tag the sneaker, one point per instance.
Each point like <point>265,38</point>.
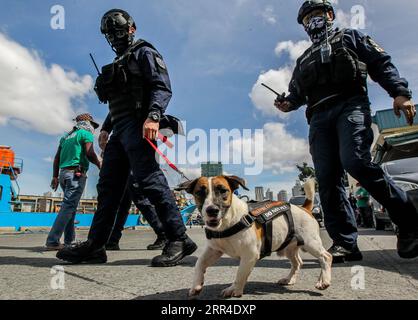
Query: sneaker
<point>159,244</point>
<point>56,247</point>
<point>408,245</point>
<point>341,254</point>
<point>112,246</point>
<point>174,252</point>
<point>83,253</point>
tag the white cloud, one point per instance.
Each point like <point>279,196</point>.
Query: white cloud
<point>277,79</point>
<point>294,49</point>
<point>34,95</point>
<point>48,159</point>
<point>269,16</point>
<point>262,98</point>
<point>281,151</point>
<point>342,19</point>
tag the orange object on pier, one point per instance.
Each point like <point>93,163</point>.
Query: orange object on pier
<point>7,157</point>
<point>8,163</point>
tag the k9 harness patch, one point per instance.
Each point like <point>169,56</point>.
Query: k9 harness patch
<point>266,211</point>
<point>262,213</point>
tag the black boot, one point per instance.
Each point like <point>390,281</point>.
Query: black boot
<point>159,244</point>
<point>341,254</point>
<point>112,246</point>
<point>174,252</point>
<point>408,244</point>
<point>83,253</point>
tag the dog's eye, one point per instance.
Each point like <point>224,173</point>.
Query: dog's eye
<point>201,193</point>
<point>222,190</point>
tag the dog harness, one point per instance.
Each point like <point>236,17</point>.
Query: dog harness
<point>263,214</point>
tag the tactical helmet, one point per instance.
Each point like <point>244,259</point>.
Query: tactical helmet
<point>311,5</point>
<point>116,19</point>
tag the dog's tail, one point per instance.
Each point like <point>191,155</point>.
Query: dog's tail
<point>309,188</point>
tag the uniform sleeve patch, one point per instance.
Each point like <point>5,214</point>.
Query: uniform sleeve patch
<point>160,62</point>
<point>375,45</point>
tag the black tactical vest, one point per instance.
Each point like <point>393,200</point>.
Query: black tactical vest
<point>346,75</point>
<point>124,85</point>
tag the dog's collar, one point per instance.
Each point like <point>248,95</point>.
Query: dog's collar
<point>246,222</point>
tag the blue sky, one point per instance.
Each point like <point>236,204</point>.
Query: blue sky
<point>215,52</point>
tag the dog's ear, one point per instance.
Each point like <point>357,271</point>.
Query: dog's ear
<point>235,182</point>
<point>188,186</point>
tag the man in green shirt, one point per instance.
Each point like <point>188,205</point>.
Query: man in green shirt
<point>363,204</point>
<point>71,164</point>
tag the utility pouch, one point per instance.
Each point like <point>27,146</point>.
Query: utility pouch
<point>345,68</point>
<point>362,71</point>
<point>121,75</point>
<point>308,76</point>
<point>100,89</point>
<point>108,74</point>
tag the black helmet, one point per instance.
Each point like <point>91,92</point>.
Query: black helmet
<point>116,19</point>
<point>309,6</point>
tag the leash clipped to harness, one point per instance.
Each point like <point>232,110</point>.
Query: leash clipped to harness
<point>262,213</point>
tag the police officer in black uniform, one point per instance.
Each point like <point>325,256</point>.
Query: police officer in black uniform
<point>331,79</point>
<point>148,212</point>
<point>137,88</point>
<point>132,193</point>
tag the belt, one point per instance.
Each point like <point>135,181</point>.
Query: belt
<point>71,168</point>
<point>330,102</point>
<point>74,168</point>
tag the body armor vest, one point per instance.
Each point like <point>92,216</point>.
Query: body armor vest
<point>124,85</point>
<point>344,75</point>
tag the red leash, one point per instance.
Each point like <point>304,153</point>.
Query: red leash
<point>172,165</point>
<point>165,140</point>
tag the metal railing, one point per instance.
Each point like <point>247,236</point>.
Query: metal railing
<point>13,171</point>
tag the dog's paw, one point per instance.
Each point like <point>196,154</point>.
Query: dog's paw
<point>322,285</point>
<point>287,282</point>
<point>232,292</point>
<point>194,292</point>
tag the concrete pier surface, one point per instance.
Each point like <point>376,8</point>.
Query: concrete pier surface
<point>27,272</point>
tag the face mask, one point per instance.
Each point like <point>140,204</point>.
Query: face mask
<point>317,28</point>
<point>120,40</point>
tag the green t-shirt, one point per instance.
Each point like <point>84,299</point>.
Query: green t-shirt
<point>72,149</point>
<point>363,198</point>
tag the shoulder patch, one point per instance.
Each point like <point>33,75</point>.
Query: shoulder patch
<point>160,62</point>
<point>374,44</point>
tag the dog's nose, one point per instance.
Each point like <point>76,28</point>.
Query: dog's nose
<point>212,211</point>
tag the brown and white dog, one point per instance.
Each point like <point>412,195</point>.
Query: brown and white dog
<point>221,209</point>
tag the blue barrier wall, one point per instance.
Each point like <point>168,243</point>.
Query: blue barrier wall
<point>5,193</point>
<point>18,220</point>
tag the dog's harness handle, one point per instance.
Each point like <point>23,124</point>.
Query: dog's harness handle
<point>266,213</point>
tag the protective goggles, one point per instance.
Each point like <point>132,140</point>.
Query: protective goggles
<point>118,34</point>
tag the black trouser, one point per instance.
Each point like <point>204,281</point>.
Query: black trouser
<point>366,216</point>
<point>340,139</point>
<point>143,205</point>
<point>126,151</point>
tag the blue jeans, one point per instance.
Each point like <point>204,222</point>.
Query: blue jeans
<point>340,139</point>
<point>73,188</point>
